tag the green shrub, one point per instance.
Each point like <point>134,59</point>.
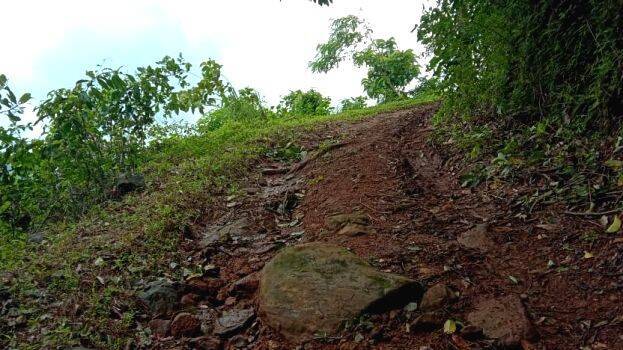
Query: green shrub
<point>301,103</point>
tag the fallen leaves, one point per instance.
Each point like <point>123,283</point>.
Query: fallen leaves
<point>615,226</point>
<point>449,327</point>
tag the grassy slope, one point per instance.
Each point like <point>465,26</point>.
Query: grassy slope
<point>137,238</point>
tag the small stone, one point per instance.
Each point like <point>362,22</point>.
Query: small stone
<point>233,321</point>
<point>161,297</point>
<point>471,332</point>
<point>206,343</point>
<point>35,237</point>
<point>411,307</point>
<point>354,230</point>
<point>503,319</point>
<point>218,235</point>
<point>477,238</point>
<point>359,338</point>
<point>428,322</point>
<point>245,285</point>
<point>273,345</point>
<point>127,183</point>
<point>336,222</point>
<point>211,270</point>
<point>436,297</point>
<point>185,324</point>
<point>190,299</point>
<point>159,327</point>
<point>238,342</point>
<point>199,285</point>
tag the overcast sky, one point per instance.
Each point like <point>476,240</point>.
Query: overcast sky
<point>265,44</point>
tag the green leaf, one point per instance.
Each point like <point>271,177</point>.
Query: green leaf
<point>25,98</point>
<point>5,206</point>
<point>615,226</point>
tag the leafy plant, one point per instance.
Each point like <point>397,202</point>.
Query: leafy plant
<point>301,103</point>
<point>353,103</point>
<point>243,105</point>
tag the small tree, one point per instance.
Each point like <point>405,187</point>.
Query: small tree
<point>390,70</point>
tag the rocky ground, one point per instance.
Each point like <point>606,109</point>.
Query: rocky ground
<point>370,242</point>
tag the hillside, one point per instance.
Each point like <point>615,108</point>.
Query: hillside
<point>193,246</point>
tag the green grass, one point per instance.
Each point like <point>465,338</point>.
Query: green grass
<point>138,237</point>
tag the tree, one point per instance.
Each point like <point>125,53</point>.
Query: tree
<point>390,70</point>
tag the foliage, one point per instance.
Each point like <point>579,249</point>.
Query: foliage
<point>95,132</point>
<point>542,76</point>
<point>16,158</point>
<point>353,103</point>
<point>242,105</point>
<point>390,70</point>
<point>301,103</point>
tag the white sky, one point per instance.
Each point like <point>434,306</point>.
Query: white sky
<point>265,44</point>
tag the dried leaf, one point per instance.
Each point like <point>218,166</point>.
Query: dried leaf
<point>615,226</point>
<point>588,255</point>
<point>449,327</point>
<point>513,279</point>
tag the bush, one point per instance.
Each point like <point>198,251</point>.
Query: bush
<point>301,103</point>
<point>353,103</point>
<point>243,105</point>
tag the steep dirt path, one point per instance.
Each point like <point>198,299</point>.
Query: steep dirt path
<point>562,274</point>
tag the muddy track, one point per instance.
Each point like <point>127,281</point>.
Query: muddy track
<point>386,168</point>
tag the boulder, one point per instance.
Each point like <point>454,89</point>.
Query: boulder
<point>313,288</point>
<point>502,319</point>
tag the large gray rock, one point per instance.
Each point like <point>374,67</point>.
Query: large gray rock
<point>313,288</point>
